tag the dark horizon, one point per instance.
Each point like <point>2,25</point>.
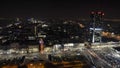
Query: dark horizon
<point>59,9</point>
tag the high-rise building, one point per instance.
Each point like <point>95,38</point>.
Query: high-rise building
<point>96,26</point>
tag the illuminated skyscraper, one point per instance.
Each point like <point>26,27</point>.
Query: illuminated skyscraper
<point>96,26</point>
<point>41,43</point>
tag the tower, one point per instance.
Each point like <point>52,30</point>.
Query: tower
<point>96,26</point>
<point>41,45</point>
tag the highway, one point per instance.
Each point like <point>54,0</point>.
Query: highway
<point>104,56</point>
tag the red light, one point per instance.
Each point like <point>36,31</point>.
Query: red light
<point>99,12</point>
<point>103,14</point>
<point>92,12</point>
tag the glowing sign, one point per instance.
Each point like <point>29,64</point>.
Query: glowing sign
<point>95,29</point>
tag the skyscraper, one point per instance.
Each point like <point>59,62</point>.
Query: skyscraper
<point>96,26</point>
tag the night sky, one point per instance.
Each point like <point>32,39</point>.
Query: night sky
<point>59,8</point>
